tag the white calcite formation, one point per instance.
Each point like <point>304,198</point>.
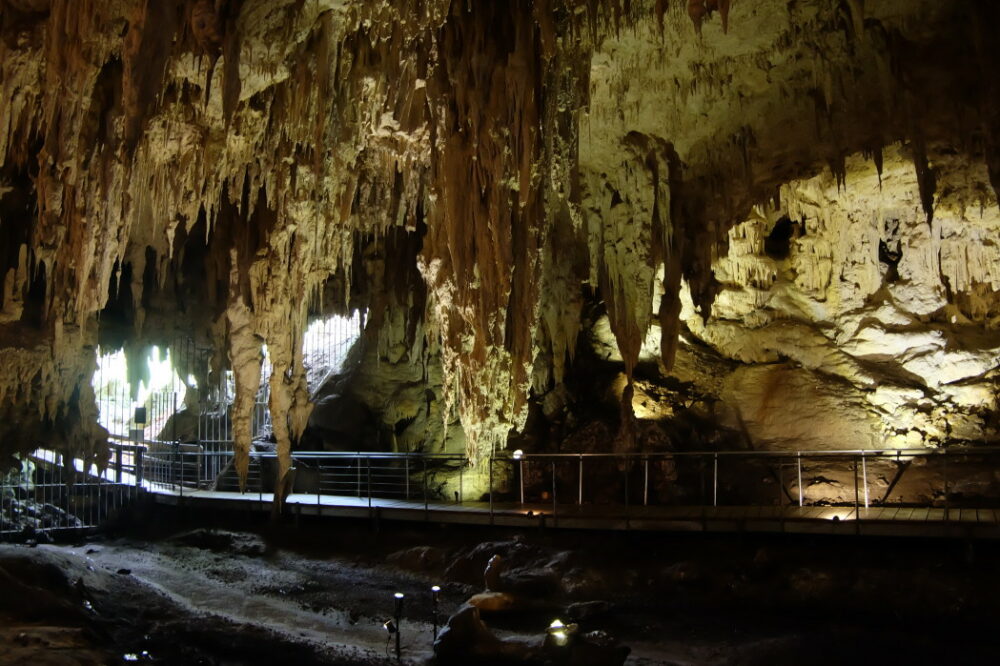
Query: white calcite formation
<point>471,173</point>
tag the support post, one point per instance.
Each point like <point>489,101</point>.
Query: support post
<point>138,467</point>
<point>715,479</point>
<point>798,463</point>
<point>864,476</point>
<point>426,506</point>
<point>521,476</point>
<point>579,497</point>
<point>406,472</point>
<point>856,490</point>
<point>368,467</point>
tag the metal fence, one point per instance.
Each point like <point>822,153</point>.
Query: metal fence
<point>946,478</point>
<point>366,475</point>
<point>956,477</point>
<point>48,493</point>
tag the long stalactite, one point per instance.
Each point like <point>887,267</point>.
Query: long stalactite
<point>227,161</point>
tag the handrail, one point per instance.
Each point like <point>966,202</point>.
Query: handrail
<point>785,453</point>
<point>958,450</point>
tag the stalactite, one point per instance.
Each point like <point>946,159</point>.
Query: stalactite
<point>515,153</point>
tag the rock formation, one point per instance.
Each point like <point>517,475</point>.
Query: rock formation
<point>804,187</point>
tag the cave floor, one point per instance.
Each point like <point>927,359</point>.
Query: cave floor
<point>191,594</point>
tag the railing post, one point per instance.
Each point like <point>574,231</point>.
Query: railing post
<point>579,498</point>
<point>521,477</point>
<point>798,462</point>
<point>491,490</point>
<point>406,472</point>
<point>461,485</point>
<point>138,463</point>
<point>426,506</point>
<point>368,466</point>
<point>173,468</point>
<point>864,476</point>
<point>856,492</point>
<point>358,460</point>
<point>715,479</point>
<point>118,463</point>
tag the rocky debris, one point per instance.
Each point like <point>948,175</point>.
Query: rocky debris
<point>469,565</point>
<point>531,582</point>
<point>237,543</point>
<point>425,559</point>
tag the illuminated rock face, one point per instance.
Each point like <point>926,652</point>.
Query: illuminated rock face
<point>468,171</point>
<point>864,326</point>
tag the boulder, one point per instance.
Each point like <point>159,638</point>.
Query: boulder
<point>493,602</point>
<point>466,640</point>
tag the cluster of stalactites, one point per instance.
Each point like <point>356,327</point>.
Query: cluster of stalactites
<point>285,132</point>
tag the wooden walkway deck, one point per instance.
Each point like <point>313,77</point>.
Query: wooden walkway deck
<point>876,521</point>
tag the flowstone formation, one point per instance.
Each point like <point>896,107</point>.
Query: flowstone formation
<point>476,176</point>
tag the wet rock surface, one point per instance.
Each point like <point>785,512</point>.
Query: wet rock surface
<point>321,595</point>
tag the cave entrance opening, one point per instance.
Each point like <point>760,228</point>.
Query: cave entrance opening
<point>169,393</point>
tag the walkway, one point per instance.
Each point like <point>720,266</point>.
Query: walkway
<point>876,521</point>
<point>399,487</point>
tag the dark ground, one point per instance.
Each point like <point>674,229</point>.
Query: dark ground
<point>185,590</point>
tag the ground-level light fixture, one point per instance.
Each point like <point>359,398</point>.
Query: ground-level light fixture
<point>559,632</point>
<point>435,592</point>
<point>518,454</point>
<point>399,622</point>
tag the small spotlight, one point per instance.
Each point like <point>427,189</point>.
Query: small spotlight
<point>436,589</point>
<point>399,595</point>
<point>390,626</point>
<point>518,454</point>
<point>560,632</point>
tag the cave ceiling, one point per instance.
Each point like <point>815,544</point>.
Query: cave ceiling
<point>222,170</point>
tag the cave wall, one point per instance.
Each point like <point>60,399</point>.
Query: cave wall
<point>472,173</point>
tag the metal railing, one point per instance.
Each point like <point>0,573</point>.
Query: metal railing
<point>50,493</point>
<point>948,478</point>
<point>956,477</point>
<point>364,475</point>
